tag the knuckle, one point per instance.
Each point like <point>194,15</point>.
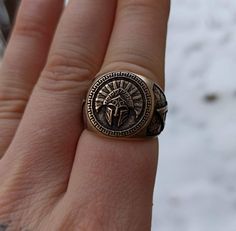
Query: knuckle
<point>137,62</point>
<point>29,26</point>
<point>132,8</point>
<point>67,72</point>
<point>12,102</point>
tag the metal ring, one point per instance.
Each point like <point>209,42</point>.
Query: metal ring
<point>125,104</point>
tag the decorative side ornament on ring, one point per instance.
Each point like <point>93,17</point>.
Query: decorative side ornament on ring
<point>124,104</point>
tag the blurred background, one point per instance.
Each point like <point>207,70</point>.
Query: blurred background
<point>196,183</point>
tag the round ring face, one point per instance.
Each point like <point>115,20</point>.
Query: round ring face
<point>119,104</point>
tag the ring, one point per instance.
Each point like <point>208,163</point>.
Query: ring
<point>125,104</point>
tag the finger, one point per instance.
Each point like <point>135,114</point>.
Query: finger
<point>114,178</point>
<point>23,61</point>
<point>138,40</point>
<point>48,134</point>
<point>112,183</point>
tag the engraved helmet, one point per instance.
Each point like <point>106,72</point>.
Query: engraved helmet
<point>119,98</point>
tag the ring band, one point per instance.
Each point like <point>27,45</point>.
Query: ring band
<point>125,104</point>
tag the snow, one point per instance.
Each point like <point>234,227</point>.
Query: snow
<point>196,182</point>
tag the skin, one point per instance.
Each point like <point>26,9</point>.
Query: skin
<point>54,174</point>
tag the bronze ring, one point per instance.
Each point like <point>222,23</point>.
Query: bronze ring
<point>125,104</point>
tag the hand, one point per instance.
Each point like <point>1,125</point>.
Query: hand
<point>54,175</point>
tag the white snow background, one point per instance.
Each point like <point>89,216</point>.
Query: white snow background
<point>196,181</point>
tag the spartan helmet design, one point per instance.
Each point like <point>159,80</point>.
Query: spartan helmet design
<point>119,98</point>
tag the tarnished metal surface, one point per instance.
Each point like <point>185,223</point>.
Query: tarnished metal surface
<point>124,104</point>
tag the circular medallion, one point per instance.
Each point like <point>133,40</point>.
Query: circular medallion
<point>119,104</point>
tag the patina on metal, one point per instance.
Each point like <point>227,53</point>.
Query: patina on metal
<point>125,104</point>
